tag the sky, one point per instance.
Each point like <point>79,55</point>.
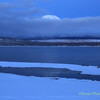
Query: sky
<point>49,18</point>
<point>71,8</point>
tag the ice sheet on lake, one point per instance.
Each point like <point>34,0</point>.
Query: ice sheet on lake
<point>92,70</point>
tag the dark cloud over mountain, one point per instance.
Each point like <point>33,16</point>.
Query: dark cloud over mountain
<point>19,20</point>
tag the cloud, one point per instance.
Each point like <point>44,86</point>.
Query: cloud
<point>19,8</point>
<point>89,26</point>
<point>17,20</point>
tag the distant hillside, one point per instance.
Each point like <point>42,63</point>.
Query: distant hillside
<point>45,38</point>
<point>6,41</point>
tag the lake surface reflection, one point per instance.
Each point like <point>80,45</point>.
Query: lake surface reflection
<point>67,55</point>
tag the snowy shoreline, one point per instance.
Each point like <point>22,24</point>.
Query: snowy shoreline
<point>50,46</point>
<point>16,87</point>
<point>92,70</point>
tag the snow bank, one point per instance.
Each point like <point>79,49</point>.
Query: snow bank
<point>92,70</point>
<point>13,87</point>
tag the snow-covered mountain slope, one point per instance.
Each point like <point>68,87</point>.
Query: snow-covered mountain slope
<point>68,40</point>
<point>50,42</point>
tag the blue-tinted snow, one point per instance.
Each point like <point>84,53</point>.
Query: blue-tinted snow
<point>92,70</point>
<point>13,87</point>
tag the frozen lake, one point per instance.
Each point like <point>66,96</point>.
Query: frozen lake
<point>67,55</point>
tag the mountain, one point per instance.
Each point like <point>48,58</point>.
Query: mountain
<point>58,41</point>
